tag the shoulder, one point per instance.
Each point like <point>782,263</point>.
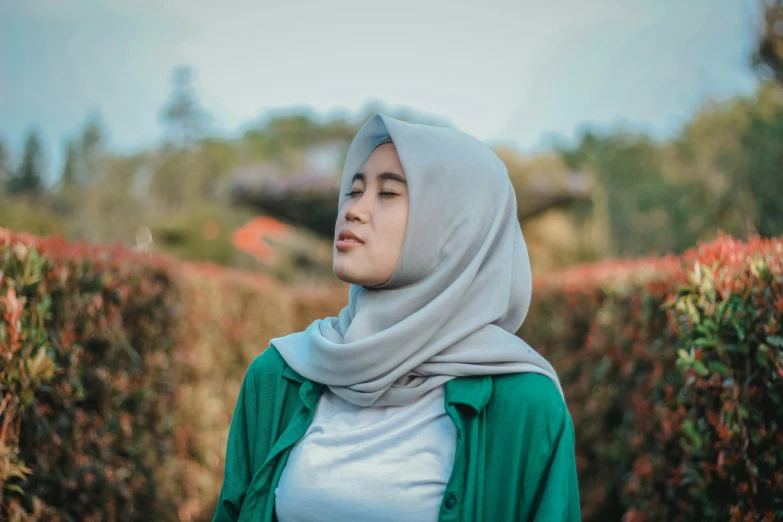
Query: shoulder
<point>531,399</point>
<point>268,366</point>
<point>527,390</point>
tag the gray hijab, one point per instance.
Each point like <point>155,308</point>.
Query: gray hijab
<point>460,290</point>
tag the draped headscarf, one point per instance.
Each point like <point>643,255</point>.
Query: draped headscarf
<point>458,294</point>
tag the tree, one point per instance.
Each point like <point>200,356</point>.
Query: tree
<point>92,151</point>
<point>70,173</point>
<point>85,157</point>
<point>761,161</point>
<point>5,164</point>
<point>29,177</point>
<point>768,55</point>
<point>182,114</point>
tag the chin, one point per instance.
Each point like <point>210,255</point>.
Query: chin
<point>344,273</point>
<point>350,278</point>
<point>355,277</point>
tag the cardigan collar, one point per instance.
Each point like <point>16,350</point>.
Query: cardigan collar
<point>474,391</point>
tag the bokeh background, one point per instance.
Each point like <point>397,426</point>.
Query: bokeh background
<point>628,128</point>
<point>169,175</point>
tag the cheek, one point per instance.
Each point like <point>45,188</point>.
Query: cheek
<point>402,223</point>
<point>340,219</point>
<point>398,226</point>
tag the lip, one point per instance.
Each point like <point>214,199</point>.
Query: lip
<point>346,234</point>
<point>343,244</point>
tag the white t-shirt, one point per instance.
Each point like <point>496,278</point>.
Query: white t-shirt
<point>379,464</point>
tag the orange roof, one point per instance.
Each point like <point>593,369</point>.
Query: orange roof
<point>251,237</point>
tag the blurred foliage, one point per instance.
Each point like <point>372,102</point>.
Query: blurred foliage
<point>673,372</point>
<point>201,233</point>
<point>179,192</point>
<point>119,374</point>
<point>183,116</point>
<point>23,214</point>
<point>5,166</point>
<point>85,387</point>
<point>722,173</point>
<point>768,57</point>
<point>122,370</point>
<point>715,451</point>
<point>642,197</point>
<point>28,177</point>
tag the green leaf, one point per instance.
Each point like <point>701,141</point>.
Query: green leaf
<point>710,325</point>
<point>690,431</point>
<point>758,267</point>
<point>683,355</point>
<point>16,488</point>
<point>701,369</point>
<point>775,340</point>
<point>685,289</point>
<point>27,396</point>
<point>721,309</point>
<point>693,312</point>
<point>694,276</point>
<point>740,332</point>
<point>718,367</point>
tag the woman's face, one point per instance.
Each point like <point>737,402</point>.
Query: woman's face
<point>376,213</point>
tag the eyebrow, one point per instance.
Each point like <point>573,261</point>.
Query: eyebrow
<point>382,176</point>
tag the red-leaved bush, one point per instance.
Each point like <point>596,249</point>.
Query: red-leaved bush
<point>120,370</point>
<point>672,369</point>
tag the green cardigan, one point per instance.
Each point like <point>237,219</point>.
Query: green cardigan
<point>514,457</point>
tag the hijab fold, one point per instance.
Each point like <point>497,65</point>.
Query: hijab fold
<point>459,293</point>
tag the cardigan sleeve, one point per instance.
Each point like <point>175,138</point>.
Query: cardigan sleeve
<point>553,495</point>
<point>239,452</point>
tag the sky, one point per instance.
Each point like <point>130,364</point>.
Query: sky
<point>520,73</point>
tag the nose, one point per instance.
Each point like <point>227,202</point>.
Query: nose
<point>357,211</point>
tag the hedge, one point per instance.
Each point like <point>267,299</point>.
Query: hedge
<point>121,370</point>
<point>673,372</point>
<point>85,382</point>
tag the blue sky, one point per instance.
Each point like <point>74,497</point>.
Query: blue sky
<point>507,72</point>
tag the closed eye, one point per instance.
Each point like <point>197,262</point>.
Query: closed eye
<point>385,194</point>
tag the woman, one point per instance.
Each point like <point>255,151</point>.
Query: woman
<point>417,402</point>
